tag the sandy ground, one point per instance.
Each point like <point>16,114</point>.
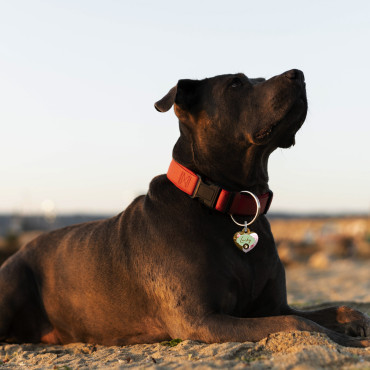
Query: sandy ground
<point>345,281</point>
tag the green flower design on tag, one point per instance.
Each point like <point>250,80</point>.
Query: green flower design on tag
<point>245,241</point>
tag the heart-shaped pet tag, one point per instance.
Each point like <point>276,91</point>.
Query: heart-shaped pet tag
<point>245,241</point>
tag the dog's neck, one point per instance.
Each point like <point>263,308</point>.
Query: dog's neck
<point>243,172</point>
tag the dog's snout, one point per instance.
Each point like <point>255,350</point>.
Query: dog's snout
<point>295,74</point>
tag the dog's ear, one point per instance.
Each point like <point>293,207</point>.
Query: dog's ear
<point>183,94</point>
<point>187,94</point>
<point>167,101</point>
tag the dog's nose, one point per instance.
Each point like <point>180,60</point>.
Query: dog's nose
<point>295,74</point>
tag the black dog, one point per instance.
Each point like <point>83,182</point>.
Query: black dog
<point>168,267</point>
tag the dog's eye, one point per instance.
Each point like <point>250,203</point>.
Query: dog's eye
<point>236,82</point>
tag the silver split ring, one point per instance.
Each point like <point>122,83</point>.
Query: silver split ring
<point>255,216</point>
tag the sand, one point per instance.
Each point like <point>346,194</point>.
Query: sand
<point>346,281</point>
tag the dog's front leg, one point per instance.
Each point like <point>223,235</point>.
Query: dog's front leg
<point>340,319</point>
<point>217,328</point>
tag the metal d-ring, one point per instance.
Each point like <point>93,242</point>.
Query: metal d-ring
<point>255,216</point>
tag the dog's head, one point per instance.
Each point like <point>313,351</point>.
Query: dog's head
<point>226,116</point>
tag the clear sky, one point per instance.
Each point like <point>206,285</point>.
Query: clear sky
<point>78,80</point>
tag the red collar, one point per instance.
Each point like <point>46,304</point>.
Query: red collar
<point>214,196</point>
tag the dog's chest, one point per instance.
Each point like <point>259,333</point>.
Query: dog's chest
<point>246,284</point>
<point>241,278</point>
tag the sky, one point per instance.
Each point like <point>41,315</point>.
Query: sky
<point>78,80</point>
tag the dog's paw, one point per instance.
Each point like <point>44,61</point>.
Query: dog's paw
<point>353,322</point>
<point>357,342</point>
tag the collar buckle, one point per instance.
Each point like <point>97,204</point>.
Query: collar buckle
<point>207,193</point>
<point>194,195</point>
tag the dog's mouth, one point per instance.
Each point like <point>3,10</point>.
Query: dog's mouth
<point>286,128</point>
<point>266,132</point>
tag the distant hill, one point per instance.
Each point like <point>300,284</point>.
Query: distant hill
<point>18,223</point>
